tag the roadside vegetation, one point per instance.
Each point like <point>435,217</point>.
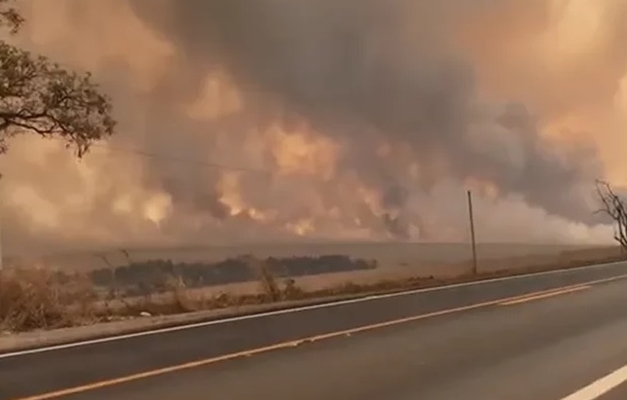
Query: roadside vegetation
<point>37,298</point>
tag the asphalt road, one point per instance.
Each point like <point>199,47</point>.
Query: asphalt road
<point>619,393</point>
<point>477,341</point>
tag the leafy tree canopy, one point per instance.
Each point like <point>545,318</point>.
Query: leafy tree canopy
<point>39,96</point>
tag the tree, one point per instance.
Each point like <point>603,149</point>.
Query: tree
<point>614,206</point>
<point>41,97</point>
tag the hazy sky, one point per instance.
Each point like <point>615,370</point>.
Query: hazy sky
<point>366,118</point>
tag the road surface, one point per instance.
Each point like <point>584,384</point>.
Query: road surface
<point>555,336</point>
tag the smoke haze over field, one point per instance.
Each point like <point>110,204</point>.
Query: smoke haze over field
<point>364,119</point>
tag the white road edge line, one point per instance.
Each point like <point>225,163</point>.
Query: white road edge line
<point>291,310</point>
<point>600,387</point>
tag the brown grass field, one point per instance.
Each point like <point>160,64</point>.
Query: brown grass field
<point>36,298</point>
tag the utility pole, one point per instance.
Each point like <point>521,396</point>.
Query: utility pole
<point>1,197</point>
<point>1,263</point>
<point>472,234</point>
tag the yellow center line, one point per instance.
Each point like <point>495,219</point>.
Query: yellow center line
<point>541,293</point>
<point>293,343</point>
<point>544,295</point>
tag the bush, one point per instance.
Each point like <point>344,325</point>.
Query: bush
<point>40,299</point>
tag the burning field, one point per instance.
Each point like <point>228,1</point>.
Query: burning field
<point>357,120</point>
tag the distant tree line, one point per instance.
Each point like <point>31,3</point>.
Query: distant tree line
<point>152,274</point>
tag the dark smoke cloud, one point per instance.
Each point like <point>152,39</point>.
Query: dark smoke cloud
<point>361,69</point>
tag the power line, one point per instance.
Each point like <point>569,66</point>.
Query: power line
<point>208,164</point>
<point>147,154</point>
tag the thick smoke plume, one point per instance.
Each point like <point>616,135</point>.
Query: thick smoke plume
<point>350,119</point>
<point>391,68</point>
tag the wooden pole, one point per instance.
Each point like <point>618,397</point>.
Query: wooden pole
<point>472,234</point>
<point>1,254</point>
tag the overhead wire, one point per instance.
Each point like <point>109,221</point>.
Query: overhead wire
<point>170,158</point>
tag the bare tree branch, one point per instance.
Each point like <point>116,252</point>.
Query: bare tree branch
<point>614,207</point>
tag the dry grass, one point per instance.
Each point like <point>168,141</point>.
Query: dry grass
<point>37,298</point>
<point>40,299</point>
